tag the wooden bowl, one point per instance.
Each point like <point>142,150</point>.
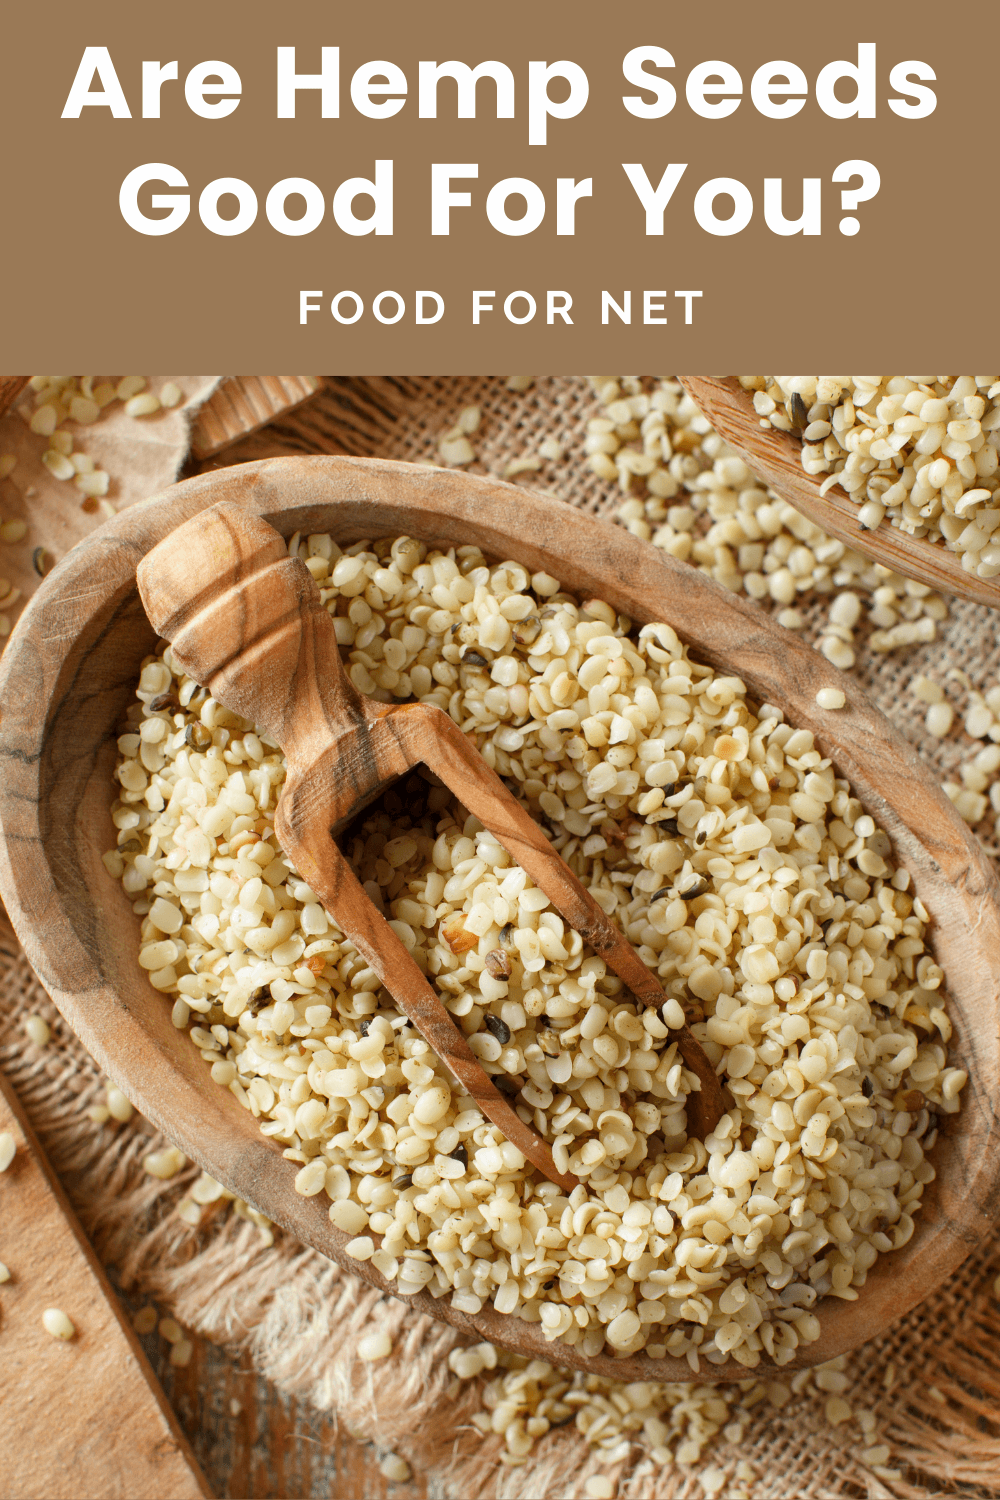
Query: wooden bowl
<point>777,458</point>
<point>69,672</point>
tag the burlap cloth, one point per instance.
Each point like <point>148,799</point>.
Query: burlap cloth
<point>298,1317</point>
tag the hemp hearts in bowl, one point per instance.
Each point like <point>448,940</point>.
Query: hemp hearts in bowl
<point>739,865</point>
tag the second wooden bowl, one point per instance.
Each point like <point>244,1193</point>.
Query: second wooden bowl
<point>70,670</point>
<point>777,458</point>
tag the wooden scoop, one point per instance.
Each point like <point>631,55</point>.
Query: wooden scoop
<point>775,456</point>
<point>246,621</point>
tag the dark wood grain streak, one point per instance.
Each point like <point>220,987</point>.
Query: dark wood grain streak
<point>11,387</point>
<point>776,457</point>
<point>272,1446</point>
<point>69,672</point>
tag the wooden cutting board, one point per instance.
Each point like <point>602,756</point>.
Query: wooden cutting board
<point>85,1417</point>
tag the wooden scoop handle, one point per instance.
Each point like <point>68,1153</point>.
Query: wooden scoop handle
<point>247,622</point>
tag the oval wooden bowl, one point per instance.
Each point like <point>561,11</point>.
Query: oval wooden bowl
<point>69,672</point>
<point>776,457</point>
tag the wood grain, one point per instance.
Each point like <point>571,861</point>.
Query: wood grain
<point>273,1446</point>
<point>776,457</point>
<point>69,673</point>
<point>11,387</point>
<point>244,403</point>
<point>85,1417</point>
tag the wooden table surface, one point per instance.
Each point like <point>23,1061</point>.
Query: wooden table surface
<point>272,1448</point>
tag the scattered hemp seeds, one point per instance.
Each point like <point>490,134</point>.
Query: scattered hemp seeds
<point>37,1029</point>
<point>142,406</point>
<point>673,1422</point>
<point>181,1352</point>
<point>8,1149</point>
<point>831,698</point>
<point>145,1320</point>
<point>374,1346</point>
<point>119,1108</point>
<point>395,1468</point>
<point>454,446</point>
<point>940,717</point>
<point>57,1324</point>
<point>4,1273</point>
<point>836,1410</point>
<point>599,1487</point>
<point>81,399</point>
<point>165,1163</point>
<point>746,874</point>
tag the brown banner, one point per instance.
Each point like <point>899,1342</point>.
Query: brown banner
<point>84,288</point>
